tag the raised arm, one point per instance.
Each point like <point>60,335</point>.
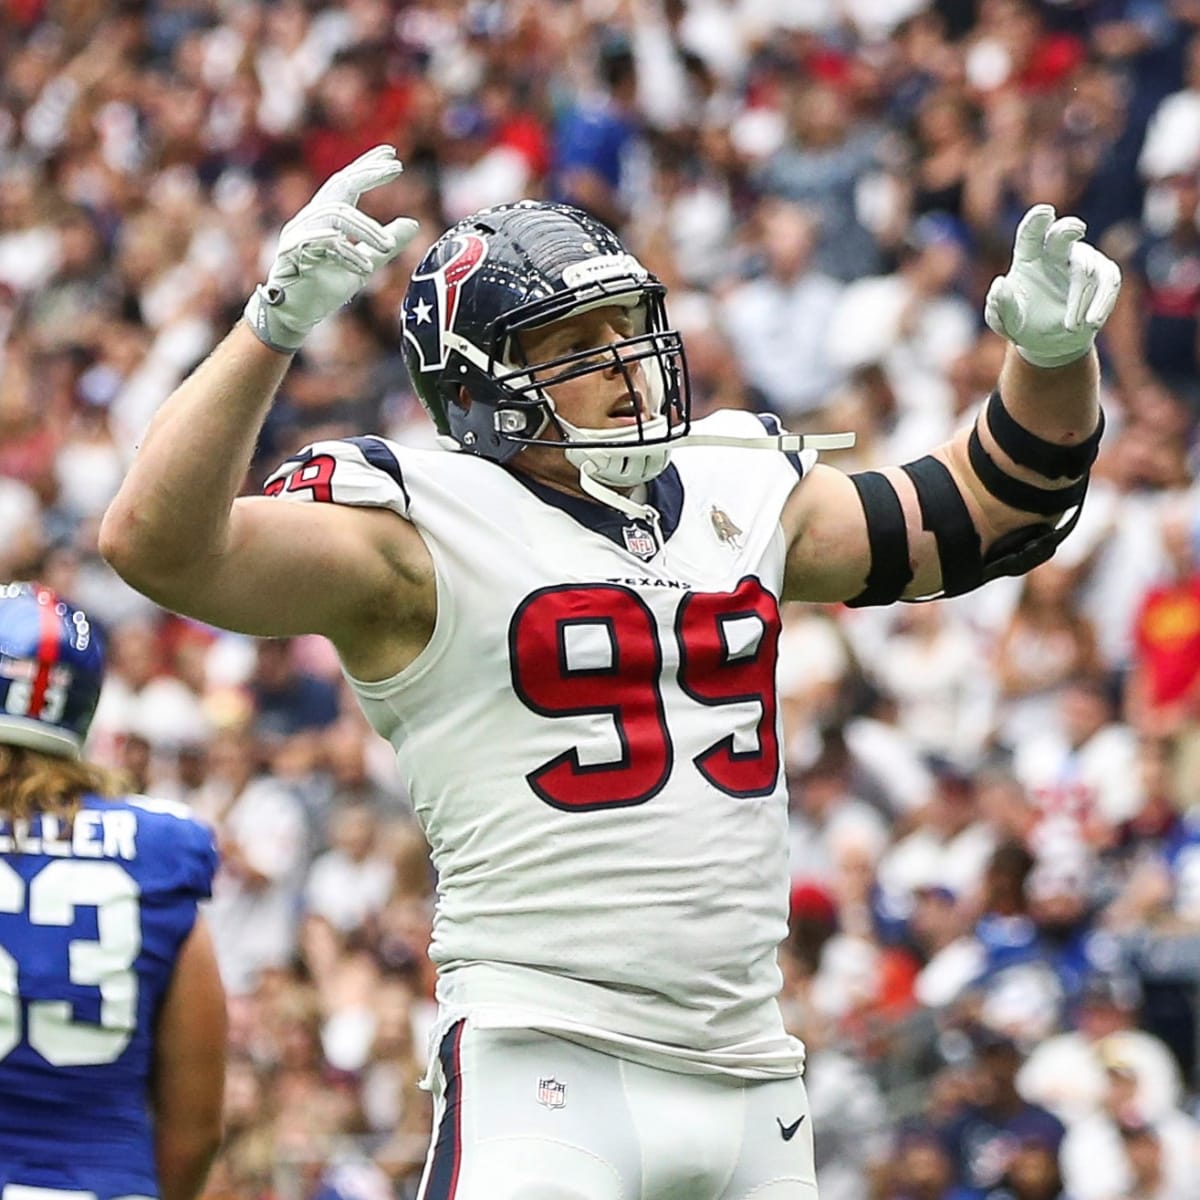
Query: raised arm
<point>176,530</point>
<point>996,499</point>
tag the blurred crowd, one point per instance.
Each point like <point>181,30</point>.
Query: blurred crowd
<point>995,801</point>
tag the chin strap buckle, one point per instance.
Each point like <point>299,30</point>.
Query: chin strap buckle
<point>795,442</point>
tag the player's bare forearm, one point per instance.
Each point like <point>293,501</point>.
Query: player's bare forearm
<point>172,511</point>
<point>1059,404</point>
<point>183,1163</point>
<point>188,1074</point>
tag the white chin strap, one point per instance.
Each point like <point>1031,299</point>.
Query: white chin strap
<point>603,469</point>
<point>621,467</point>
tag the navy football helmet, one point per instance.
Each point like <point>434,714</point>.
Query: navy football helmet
<point>51,668</point>
<point>516,267</point>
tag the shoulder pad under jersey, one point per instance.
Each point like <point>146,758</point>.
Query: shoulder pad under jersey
<point>363,471</point>
<point>176,853</point>
<point>741,423</point>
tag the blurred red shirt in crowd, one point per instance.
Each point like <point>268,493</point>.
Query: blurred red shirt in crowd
<point>1168,641</point>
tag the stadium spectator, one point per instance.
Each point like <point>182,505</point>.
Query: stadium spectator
<point>263,837</point>
<point>820,164</point>
<point>1164,690</point>
<point>1155,333</point>
<point>1044,645</point>
<point>1125,1148</point>
<point>912,324</point>
<point>778,321</point>
<point>288,699</point>
<point>596,139</point>
<point>983,1140</point>
<point>1065,1072</point>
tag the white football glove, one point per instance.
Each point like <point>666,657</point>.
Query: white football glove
<point>1057,293</point>
<point>326,253</point>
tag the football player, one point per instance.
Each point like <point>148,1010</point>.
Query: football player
<point>567,628</point>
<point>112,1015</point>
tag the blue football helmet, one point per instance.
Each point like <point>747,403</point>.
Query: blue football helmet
<point>516,267</point>
<point>51,668</point>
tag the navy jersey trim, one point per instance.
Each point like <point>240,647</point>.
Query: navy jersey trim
<point>447,1151</point>
<point>771,423</point>
<point>664,493</point>
<point>382,459</point>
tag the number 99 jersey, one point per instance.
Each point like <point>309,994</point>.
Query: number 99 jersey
<point>592,744</point>
<point>92,915</point>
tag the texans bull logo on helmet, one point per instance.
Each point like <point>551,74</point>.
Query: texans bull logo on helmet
<point>432,301</point>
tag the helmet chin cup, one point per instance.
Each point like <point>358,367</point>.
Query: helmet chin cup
<point>621,467</point>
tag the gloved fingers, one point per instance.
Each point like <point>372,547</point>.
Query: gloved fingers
<point>1002,308</point>
<point>1031,233</point>
<point>402,231</point>
<point>1081,288</point>
<point>362,228</point>
<point>377,166</point>
<point>1095,284</point>
<point>370,170</point>
<point>1061,236</point>
<point>347,220</point>
<point>1080,293</point>
<point>334,247</point>
<point>1108,288</point>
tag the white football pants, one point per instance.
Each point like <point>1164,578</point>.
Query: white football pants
<point>521,1115</point>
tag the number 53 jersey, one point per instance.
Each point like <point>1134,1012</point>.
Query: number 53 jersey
<point>92,915</point>
<point>592,744</point>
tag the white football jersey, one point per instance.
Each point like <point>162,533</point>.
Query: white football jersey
<point>592,744</point>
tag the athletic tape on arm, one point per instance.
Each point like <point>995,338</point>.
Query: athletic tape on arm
<point>891,570</point>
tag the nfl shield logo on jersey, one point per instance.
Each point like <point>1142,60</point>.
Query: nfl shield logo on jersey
<point>639,541</point>
<point>551,1093</point>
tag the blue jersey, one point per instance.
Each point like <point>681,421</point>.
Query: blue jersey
<point>92,917</point>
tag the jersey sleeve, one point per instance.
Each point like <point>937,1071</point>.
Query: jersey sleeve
<point>178,853</point>
<point>362,471</point>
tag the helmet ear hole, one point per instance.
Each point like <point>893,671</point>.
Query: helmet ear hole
<point>518,422</point>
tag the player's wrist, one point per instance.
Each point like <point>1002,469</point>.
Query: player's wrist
<point>1047,360</point>
<point>268,319</point>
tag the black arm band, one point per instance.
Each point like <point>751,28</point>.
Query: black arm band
<point>1036,454</point>
<point>887,534</point>
<point>1016,493</point>
<point>944,513</point>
